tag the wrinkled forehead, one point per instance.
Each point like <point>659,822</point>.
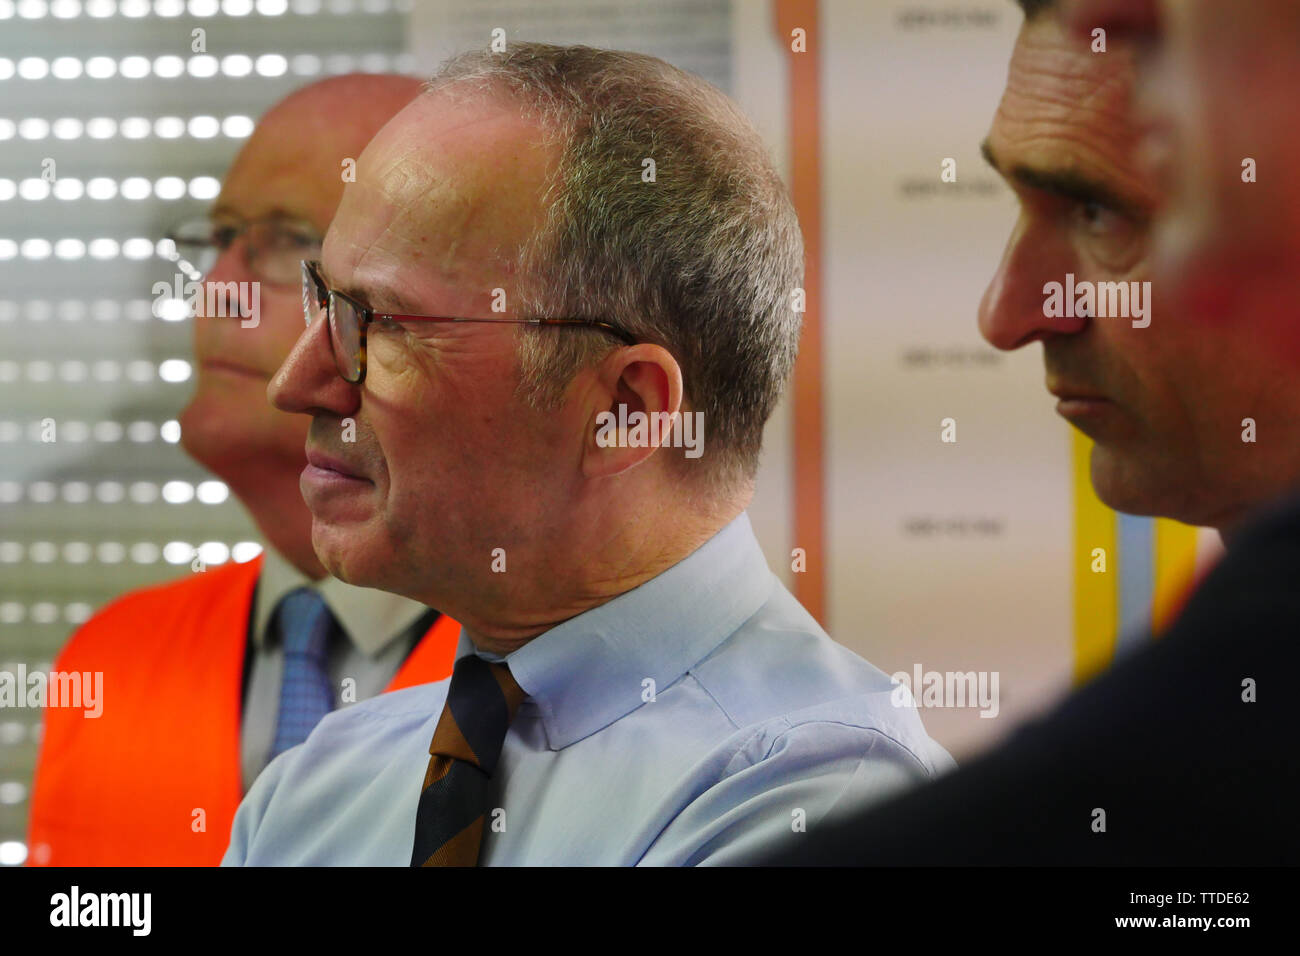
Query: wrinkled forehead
<point>1066,107</point>
<point>446,187</point>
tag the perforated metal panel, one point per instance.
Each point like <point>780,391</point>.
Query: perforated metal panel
<point>112,102</point>
<point>96,497</point>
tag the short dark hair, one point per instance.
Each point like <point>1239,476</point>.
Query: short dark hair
<point>1033,8</point>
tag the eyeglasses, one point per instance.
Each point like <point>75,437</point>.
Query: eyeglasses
<point>348,320</point>
<point>274,248</point>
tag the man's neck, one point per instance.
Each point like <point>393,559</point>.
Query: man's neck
<point>621,565</point>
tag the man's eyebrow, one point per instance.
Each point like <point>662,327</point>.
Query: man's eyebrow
<point>276,212</point>
<point>1065,184</point>
<point>987,152</point>
<point>392,300</point>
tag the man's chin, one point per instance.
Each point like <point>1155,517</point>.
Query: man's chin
<point>1127,483</point>
<point>344,552</point>
<point>206,436</point>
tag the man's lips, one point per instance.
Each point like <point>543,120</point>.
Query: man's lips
<point>328,468</point>
<point>1074,401</point>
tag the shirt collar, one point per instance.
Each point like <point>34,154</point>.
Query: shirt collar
<point>591,670</point>
<point>370,617</point>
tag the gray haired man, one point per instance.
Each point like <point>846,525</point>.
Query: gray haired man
<point>633,685</point>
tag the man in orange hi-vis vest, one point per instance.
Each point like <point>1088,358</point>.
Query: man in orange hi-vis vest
<point>207,678</point>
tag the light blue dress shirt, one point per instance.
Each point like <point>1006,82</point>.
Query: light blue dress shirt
<point>701,718</point>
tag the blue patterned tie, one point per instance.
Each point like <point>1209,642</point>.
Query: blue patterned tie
<point>306,693</point>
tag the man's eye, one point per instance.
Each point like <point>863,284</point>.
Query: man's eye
<point>1098,219</point>
<point>223,236</point>
<point>1111,238</point>
<point>286,239</point>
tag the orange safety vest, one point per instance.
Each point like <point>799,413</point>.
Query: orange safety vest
<point>155,779</point>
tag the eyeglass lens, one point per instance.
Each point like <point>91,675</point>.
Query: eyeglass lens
<point>273,248</point>
<point>345,337</point>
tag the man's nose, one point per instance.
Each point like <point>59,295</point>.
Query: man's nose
<point>1011,311</point>
<point>309,381</point>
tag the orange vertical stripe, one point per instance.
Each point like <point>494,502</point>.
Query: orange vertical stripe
<point>804,129</point>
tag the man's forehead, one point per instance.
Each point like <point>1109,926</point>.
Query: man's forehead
<point>479,149</point>
<point>1067,110</point>
<point>293,160</point>
<point>1053,65</point>
<point>283,168</point>
<point>276,194</point>
<point>442,187</point>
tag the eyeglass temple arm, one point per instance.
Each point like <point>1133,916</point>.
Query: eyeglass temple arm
<point>398,317</point>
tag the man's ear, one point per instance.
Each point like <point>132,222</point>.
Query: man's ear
<point>635,400</point>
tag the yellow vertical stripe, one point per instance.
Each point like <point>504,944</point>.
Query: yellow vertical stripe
<point>1175,568</point>
<point>1096,594</point>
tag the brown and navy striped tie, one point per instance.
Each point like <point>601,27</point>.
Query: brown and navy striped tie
<point>481,702</point>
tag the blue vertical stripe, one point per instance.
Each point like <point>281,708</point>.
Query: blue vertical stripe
<point>1136,580</point>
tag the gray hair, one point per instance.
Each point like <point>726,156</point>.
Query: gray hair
<point>704,261</point>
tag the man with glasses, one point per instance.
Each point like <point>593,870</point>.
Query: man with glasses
<point>633,685</point>
<point>349,318</point>
<point>207,678</point>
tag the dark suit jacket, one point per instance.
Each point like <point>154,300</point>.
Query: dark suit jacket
<point>1187,772</point>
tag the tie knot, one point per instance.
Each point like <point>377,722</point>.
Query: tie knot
<point>481,702</point>
<point>304,621</point>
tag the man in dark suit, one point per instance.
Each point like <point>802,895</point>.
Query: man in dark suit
<point>1184,753</point>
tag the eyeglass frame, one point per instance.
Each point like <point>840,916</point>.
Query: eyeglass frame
<point>239,230</point>
<point>311,274</point>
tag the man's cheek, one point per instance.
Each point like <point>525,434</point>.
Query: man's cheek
<point>397,385</point>
<point>1173,397</point>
